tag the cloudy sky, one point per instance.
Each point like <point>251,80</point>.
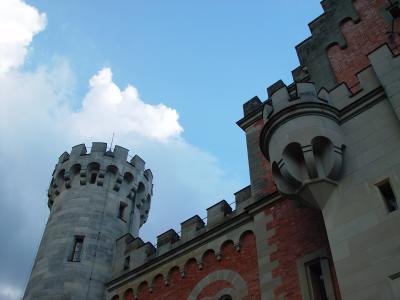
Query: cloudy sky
<point>167,77</point>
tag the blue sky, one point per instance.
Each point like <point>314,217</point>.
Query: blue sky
<point>168,77</point>
<point>202,58</point>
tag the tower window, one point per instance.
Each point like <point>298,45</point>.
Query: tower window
<point>388,196</point>
<point>126,262</point>
<point>121,210</point>
<point>77,249</point>
<point>93,178</point>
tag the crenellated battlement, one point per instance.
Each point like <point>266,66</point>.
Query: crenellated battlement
<point>282,98</point>
<point>325,32</point>
<point>103,168</point>
<point>191,229</point>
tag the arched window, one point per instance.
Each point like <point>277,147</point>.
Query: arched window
<point>225,297</point>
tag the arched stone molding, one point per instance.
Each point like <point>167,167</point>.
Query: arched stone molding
<point>232,277</point>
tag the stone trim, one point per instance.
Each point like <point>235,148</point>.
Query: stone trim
<point>265,266</point>
<point>240,286</point>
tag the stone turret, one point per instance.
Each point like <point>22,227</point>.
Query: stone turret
<point>302,139</point>
<point>94,198</point>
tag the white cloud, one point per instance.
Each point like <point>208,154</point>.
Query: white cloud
<point>19,22</point>
<point>8,292</point>
<point>106,109</point>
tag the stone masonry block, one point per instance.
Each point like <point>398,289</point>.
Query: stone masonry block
<point>218,213</point>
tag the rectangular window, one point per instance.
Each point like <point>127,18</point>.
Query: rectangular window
<point>388,196</point>
<point>77,249</point>
<point>316,281</point>
<point>315,275</point>
<point>126,263</point>
<point>319,279</point>
<point>121,210</point>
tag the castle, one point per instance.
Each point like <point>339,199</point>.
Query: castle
<point>320,219</point>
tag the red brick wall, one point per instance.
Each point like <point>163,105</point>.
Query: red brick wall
<point>362,38</point>
<point>299,231</point>
<point>213,288</point>
<point>244,262</point>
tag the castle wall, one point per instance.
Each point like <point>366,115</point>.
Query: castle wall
<point>362,232</point>
<point>257,252</point>
<point>363,104</point>
<point>362,144</point>
<point>230,266</point>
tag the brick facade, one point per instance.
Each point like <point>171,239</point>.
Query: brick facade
<point>243,261</point>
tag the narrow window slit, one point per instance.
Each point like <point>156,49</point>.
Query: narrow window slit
<point>121,210</point>
<point>93,178</point>
<point>77,249</point>
<point>127,262</point>
<point>388,195</point>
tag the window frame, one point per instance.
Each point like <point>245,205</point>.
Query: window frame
<point>303,264</point>
<point>78,240</point>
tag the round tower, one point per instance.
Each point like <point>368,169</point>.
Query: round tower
<point>94,198</point>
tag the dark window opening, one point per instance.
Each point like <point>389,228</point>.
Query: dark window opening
<point>121,210</point>
<point>126,263</point>
<point>317,281</point>
<point>77,249</point>
<point>225,297</point>
<point>388,196</point>
<point>93,177</point>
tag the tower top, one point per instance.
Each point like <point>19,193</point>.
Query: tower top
<point>81,167</point>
